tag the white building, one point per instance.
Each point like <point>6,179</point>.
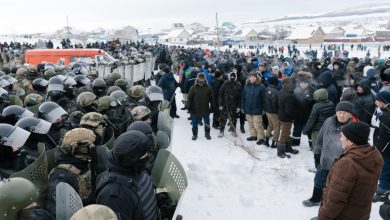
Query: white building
<point>180,36</point>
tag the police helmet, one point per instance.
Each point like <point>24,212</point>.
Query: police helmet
<point>34,125</point>
<point>85,99</point>
<point>32,99</point>
<point>13,137</point>
<point>51,112</point>
<point>154,93</point>
<point>15,194</point>
<point>11,114</point>
<point>40,84</point>
<point>140,113</point>
<point>81,81</point>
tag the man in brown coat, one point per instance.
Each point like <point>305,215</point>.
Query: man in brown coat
<point>353,179</point>
<point>200,99</point>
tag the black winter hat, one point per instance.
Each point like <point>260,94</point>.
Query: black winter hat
<point>357,132</point>
<point>345,106</point>
<point>217,74</point>
<point>383,96</point>
<point>129,147</point>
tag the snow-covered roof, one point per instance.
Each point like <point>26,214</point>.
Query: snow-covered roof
<point>245,33</point>
<point>180,33</point>
<point>302,33</point>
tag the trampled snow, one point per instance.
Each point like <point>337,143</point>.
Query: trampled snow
<point>225,182</point>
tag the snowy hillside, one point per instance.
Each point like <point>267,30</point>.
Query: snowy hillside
<point>368,15</point>
<point>226,183</point>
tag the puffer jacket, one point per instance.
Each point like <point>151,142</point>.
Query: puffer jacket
<point>328,143</point>
<point>286,101</point>
<point>271,99</point>
<point>252,99</point>
<point>230,95</point>
<point>326,81</point>
<point>364,103</point>
<point>351,183</point>
<point>322,110</point>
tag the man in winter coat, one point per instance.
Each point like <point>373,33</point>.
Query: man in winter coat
<point>364,101</point>
<point>328,148</point>
<point>286,113</point>
<point>125,187</point>
<point>271,109</point>
<point>325,80</point>
<point>241,77</point>
<point>252,104</point>
<point>322,110</point>
<point>185,72</point>
<point>352,180</point>
<point>168,86</point>
<point>217,84</point>
<point>303,92</point>
<point>382,143</point>
<point>229,100</point>
<point>338,75</point>
<point>200,99</point>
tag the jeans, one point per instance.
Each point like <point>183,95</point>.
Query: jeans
<point>384,179</point>
<point>320,178</point>
<point>195,119</point>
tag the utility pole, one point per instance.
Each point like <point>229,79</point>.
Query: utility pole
<point>216,18</point>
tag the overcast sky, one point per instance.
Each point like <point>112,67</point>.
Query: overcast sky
<point>26,16</point>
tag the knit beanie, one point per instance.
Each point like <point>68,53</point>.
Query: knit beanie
<point>383,96</point>
<point>356,132</point>
<point>345,106</point>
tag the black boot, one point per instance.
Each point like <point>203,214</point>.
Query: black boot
<point>281,150</point>
<point>289,149</point>
<point>194,133</point>
<point>295,141</point>
<point>266,142</point>
<point>273,145</point>
<point>260,142</point>
<point>207,132</point>
<point>242,129</point>
<point>315,198</point>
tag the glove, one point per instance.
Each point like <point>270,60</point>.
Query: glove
<point>220,108</point>
<point>238,110</point>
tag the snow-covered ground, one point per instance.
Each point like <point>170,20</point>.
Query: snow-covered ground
<point>225,182</point>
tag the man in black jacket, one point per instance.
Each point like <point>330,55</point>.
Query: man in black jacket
<point>286,112</point>
<point>271,109</point>
<point>125,187</point>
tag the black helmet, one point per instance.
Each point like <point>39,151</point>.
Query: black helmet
<point>81,81</point>
<point>385,74</point>
<point>99,86</point>
<point>11,114</point>
<point>55,84</point>
<point>142,127</point>
<point>51,112</point>
<point>69,84</point>
<point>12,136</point>
<point>154,93</point>
<point>34,125</point>
<point>40,84</point>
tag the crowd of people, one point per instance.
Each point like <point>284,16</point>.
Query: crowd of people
<point>334,101</point>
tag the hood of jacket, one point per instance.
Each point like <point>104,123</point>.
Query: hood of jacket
<point>325,79</point>
<point>366,85</point>
<point>367,156</point>
<point>320,95</point>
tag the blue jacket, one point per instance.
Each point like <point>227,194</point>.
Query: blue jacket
<point>208,76</point>
<point>252,99</point>
<point>168,85</point>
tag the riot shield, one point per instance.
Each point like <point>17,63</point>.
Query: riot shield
<point>162,140</point>
<point>165,123</point>
<point>168,175</point>
<point>68,201</point>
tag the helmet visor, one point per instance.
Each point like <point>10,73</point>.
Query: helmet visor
<point>156,97</point>
<point>85,81</point>
<point>27,113</point>
<point>12,80</point>
<point>4,83</point>
<point>42,127</point>
<point>69,81</point>
<point>3,91</point>
<point>55,87</point>
<point>55,115</point>
<point>16,138</point>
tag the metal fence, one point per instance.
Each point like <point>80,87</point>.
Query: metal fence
<point>132,73</point>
